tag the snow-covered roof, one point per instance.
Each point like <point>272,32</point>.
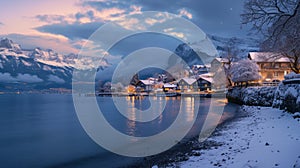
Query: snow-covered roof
<point>222,60</point>
<point>207,77</point>
<point>202,66</point>
<point>208,65</point>
<point>147,82</point>
<point>168,85</point>
<point>152,79</point>
<point>267,57</point>
<point>189,80</point>
<point>209,74</point>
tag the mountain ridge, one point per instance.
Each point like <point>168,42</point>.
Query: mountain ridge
<point>37,68</point>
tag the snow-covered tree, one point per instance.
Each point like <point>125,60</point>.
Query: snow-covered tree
<point>244,71</point>
<point>279,22</point>
<point>118,87</point>
<point>106,87</point>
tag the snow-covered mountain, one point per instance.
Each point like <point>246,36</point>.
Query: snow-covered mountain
<point>38,69</point>
<point>244,46</point>
<point>191,57</point>
<point>22,69</point>
<point>6,43</point>
<point>27,69</point>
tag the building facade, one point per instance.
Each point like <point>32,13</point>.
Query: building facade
<point>188,84</point>
<point>201,83</point>
<point>145,85</point>
<point>273,66</point>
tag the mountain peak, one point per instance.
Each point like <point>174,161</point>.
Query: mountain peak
<point>7,43</point>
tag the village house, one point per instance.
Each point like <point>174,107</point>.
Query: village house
<point>167,87</point>
<point>202,83</point>
<point>145,85</point>
<point>219,62</point>
<point>273,66</point>
<point>188,84</point>
<point>200,69</point>
<point>205,82</point>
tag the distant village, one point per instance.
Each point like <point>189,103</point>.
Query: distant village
<point>201,79</point>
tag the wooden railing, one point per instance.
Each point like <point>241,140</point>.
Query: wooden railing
<point>270,83</point>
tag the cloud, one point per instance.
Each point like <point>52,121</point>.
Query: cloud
<point>7,78</point>
<point>110,14</point>
<point>61,45</point>
<point>1,24</point>
<point>79,17</point>
<point>86,17</point>
<point>92,11</point>
<point>110,10</point>
<point>51,19</point>
<point>56,79</point>
<point>185,13</point>
<point>29,78</point>
<point>72,31</point>
<point>209,15</point>
<point>179,35</point>
<point>104,4</point>
<point>82,24</point>
<point>214,16</point>
<point>158,5</point>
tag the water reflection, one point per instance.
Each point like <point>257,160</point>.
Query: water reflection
<point>132,116</point>
<point>186,105</point>
<point>165,111</point>
<point>48,125</point>
<point>189,107</point>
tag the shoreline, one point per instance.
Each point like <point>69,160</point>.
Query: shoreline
<point>254,137</point>
<point>259,137</point>
<point>186,149</point>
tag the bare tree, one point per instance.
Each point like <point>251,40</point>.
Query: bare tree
<point>279,22</point>
<point>230,53</point>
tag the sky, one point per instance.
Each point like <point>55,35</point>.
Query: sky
<point>66,25</point>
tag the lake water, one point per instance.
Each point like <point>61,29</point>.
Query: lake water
<point>39,130</point>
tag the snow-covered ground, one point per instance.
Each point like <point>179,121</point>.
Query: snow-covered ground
<point>265,137</point>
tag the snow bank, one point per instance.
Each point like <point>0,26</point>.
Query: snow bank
<point>287,95</point>
<point>253,96</point>
<point>266,137</point>
<point>292,75</point>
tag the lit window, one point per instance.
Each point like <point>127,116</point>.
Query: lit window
<point>286,72</point>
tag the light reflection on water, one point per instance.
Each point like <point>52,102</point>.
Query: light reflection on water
<point>43,130</point>
<point>188,106</point>
<point>165,114</point>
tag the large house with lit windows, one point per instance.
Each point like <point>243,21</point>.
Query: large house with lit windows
<point>273,66</point>
<point>190,84</point>
<point>145,85</point>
